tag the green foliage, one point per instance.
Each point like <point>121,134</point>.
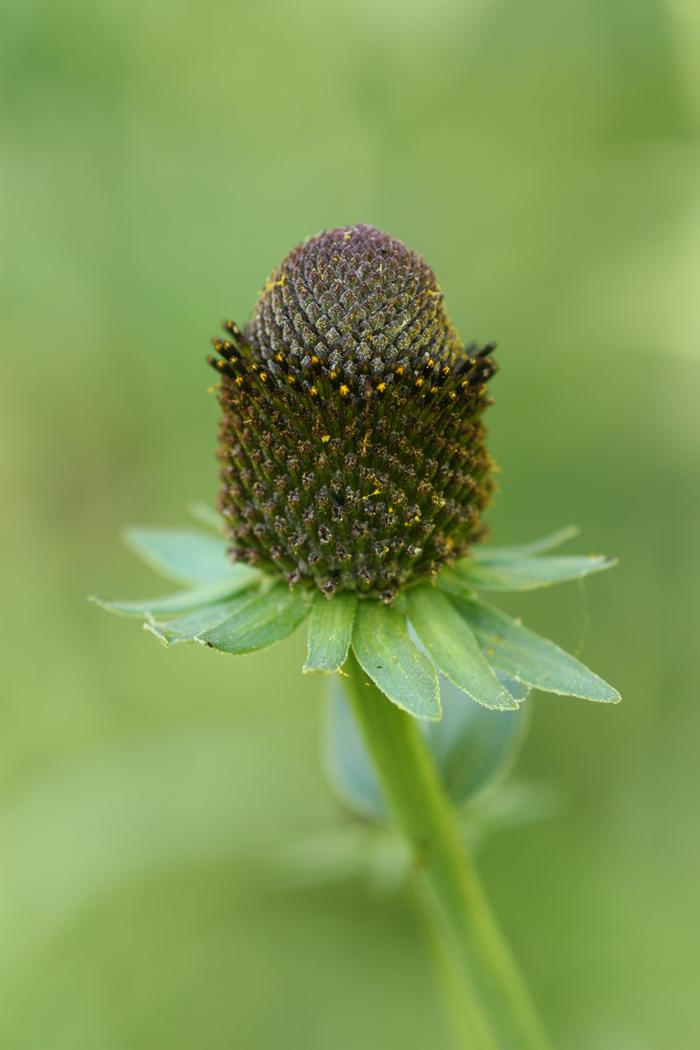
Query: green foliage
<point>184,556</point>
<point>182,601</point>
<point>237,610</point>
<point>524,550</point>
<point>472,748</point>
<point>530,659</point>
<point>453,648</point>
<point>386,653</point>
<point>266,618</point>
<point>330,632</point>
<point>189,627</point>
<point>523,573</point>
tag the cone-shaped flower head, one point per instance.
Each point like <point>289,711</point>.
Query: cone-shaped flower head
<point>351,443</point>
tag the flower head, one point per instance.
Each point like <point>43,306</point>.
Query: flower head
<point>352,449</point>
<point>353,464</point>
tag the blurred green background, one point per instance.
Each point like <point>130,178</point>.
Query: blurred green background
<point>157,161</point>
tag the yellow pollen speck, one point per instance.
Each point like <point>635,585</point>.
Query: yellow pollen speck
<point>390,510</point>
<point>313,391</point>
<point>453,395</point>
<point>344,390</point>
<point>465,382</point>
<point>420,381</point>
<point>434,389</point>
<point>279,357</point>
<point>400,370</point>
<point>282,280</point>
<point>263,376</point>
<point>239,380</point>
<point>430,362</point>
<point>347,236</point>
<point>325,438</point>
<point>314,359</point>
<point>333,375</point>
<point>446,370</point>
<point>381,387</point>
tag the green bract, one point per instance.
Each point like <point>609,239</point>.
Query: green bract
<point>431,629</point>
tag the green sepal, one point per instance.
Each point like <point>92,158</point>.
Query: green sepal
<point>451,645</point>
<point>525,550</point>
<point>330,632</point>
<point>267,618</point>
<point>531,659</point>
<point>384,650</point>
<point>188,627</point>
<point>182,555</point>
<point>182,601</point>
<point>523,574</point>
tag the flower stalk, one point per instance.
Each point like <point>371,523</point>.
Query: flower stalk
<point>446,881</point>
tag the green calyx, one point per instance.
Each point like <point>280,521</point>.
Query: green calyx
<point>433,629</point>
<point>352,449</point>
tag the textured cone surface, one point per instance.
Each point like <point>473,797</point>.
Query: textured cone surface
<point>351,444</point>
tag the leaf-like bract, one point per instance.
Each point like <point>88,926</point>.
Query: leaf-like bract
<point>526,573</point>
<point>267,618</point>
<point>330,632</point>
<point>531,659</point>
<point>384,650</point>
<point>453,648</point>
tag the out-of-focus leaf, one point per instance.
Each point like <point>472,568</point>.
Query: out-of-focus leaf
<point>182,555</point>
<point>528,658</point>
<point>347,760</point>
<point>330,632</point>
<point>524,574</point>
<point>453,648</point>
<point>382,645</point>
<point>181,601</point>
<point>473,747</point>
<point>524,550</point>
<point>264,620</point>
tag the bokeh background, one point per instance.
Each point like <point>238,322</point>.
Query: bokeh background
<point>157,161</point>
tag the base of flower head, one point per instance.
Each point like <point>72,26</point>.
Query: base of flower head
<point>348,482</point>
<point>431,630</point>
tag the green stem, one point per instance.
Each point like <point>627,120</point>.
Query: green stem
<point>445,876</point>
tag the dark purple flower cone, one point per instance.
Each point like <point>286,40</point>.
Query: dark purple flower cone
<point>352,449</point>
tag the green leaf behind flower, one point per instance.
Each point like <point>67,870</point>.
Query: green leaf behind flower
<point>265,619</point>
<point>453,648</point>
<point>182,555</point>
<point>529,658</point>
<point>330,632</point>
<point>183,601</point>
<point>384,650</point>
<point>473,747</point>
<point>523,574</point>
<point>524,550</point>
